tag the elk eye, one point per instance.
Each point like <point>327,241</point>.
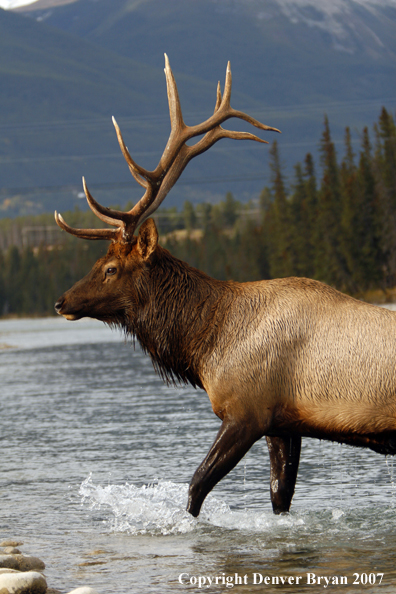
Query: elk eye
<point>110,271</point>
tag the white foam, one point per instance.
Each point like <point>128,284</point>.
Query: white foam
<point>159,508</point>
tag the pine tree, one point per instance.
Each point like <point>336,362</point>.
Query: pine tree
<point>385,176</point>
<point>330,263</point>
<point>230,210</point>
<point>303,215</point>
<point>189,216</point>
<point>277,225</point>
<point>351,217</point>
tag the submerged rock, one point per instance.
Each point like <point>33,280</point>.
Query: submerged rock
<point>11,550</point>
<point>29,563</point>
<point>8,561</point>
<point>27,582</point>
<point>21,562</point>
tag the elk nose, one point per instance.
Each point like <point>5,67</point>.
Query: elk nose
<point>59,304</point>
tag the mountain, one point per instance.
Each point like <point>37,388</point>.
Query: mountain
<point>57,95</point>
<point>70,66</point>
<point>289,48</point>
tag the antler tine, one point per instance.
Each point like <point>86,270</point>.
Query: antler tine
<point>141,175</point>
<point>223,112</point>
<point>125,221</point>
<point>109,234</point>
<point>155,178</point>
<point>175,112</point>
<point>247,118</point>
<point>216,134</point>
<point>107,215</point>
<point>218,97</point>
<point>227,86</point>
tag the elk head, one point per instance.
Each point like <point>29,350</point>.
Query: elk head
<point>101,294</point>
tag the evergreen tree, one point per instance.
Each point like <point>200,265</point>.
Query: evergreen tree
<point>351,217</point>
<point>230,209</point>
<point>189,216</point>
<point>330,263</point>
<point>204,212</point>
<point>277,227</point>
<point>311,208</point>
<point>249,259</point>
<point>385,176</point>
<point>303,216</point>
<point>371,221</point>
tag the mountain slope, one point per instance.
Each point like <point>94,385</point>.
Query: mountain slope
<point>289,49</point>
<point>58,93</point>
<point>292,61</point>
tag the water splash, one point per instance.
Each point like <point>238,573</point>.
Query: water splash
<point>155,508</point>
<point>159,508</point>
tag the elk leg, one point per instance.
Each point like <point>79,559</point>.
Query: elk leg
<point>231,444</point>
<point>284,455</point>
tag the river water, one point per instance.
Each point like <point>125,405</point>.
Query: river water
<point>96,457</point>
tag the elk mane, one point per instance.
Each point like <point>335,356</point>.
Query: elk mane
<point>172,290</point>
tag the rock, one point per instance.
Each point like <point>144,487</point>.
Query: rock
<point>21,562</point>
<point>29,582</point>
<point>9,561</point>
<point>11,551</point>
<point>11,543</point>
<point>83,590</point>
<point>29,563</point>
<point>8,570</point>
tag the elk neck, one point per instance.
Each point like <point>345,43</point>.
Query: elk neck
<point>179,316</point>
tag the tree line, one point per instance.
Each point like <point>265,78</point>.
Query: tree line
<point>336,224</point>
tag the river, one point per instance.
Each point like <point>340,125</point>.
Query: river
<point>96,457</point>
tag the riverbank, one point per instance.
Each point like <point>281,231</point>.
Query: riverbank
<point>23,574</point>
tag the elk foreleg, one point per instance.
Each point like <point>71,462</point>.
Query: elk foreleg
<point>284,455</point>
<point>231,444</point>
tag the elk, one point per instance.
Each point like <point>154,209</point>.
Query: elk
<point>285,358</point>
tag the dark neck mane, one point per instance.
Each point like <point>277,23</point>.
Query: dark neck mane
<point>178,317</point>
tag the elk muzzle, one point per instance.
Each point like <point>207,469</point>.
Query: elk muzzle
<point>62,309</point>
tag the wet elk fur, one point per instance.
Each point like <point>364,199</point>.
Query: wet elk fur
<point>281,358</point>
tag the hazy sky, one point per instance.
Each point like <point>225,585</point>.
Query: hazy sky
<point>323,3</point>
<point>14,3</point>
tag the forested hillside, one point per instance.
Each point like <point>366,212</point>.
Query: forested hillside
<point>336,222</point>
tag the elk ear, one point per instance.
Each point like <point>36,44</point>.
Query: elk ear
<point>147,239</point>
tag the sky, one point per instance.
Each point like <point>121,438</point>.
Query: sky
<point>323,3</point>
<point>14,3</point>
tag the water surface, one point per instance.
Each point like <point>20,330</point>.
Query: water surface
<point>96,457</point>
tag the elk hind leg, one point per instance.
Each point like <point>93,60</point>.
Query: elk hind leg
<point>284,455</point>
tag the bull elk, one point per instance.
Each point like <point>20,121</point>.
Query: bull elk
<point>281,358</point>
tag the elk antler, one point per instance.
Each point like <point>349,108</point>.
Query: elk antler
<point>175,157</point>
